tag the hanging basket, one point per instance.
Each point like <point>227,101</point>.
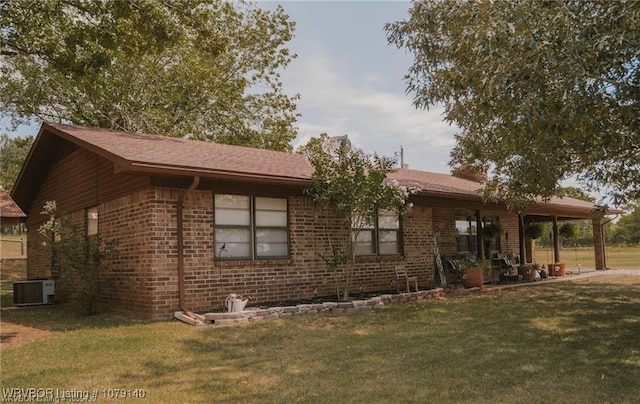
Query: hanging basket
<point>534,231</point>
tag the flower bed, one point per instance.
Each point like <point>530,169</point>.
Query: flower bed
<point>258,314</point>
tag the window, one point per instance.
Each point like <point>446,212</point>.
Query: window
<point>378,236</point>
<point>92,221</point>
<point>466,234</point>
<point>250,227</point>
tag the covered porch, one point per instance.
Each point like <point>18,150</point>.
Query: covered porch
<point>557,211</point>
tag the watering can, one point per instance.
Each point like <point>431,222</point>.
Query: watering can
<point>235,304</point>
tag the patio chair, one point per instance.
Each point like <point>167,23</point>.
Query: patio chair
<point>401,275</point>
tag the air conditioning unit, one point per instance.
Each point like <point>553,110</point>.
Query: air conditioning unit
<point>27,293</point>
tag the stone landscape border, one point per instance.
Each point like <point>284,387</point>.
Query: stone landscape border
<point>259,314</point>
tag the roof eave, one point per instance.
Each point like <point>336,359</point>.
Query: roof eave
<point>168,170</point>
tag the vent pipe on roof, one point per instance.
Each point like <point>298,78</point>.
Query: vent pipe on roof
<point>179,204</point>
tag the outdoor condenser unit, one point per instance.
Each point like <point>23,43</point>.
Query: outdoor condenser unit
<point>34,292</point>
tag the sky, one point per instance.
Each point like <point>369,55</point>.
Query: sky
<point>350,81</point>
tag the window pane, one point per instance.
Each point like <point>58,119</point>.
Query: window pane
<point>462,227</point>
<point>272,249</point>
<point>463,243</point>
<point>363,236</point>
<point>389,248</point>
<point>232,201</point>
<point>232,210</point>
<point>276,204</point>
<point>271,235</point>
<point>237,242</point>
<point>388,236</point>
<point>271,219</point>
<point>388,242</point>
<point>233,217</point>
<point>92,221</point>
<point>363,248</point>
<point>271,243</point>
<point>271,212</point>
<point>388,220</point>
<point>363,243</point>
<point>362,222</point>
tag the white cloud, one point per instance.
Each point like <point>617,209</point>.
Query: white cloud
<point>374,117</point>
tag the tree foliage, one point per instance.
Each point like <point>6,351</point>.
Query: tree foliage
<point>13,152</point>
<point>352,186</point>
<point>205,69</point>
<point>542,90</point>
<point>80,259</point>
<point>627,229</point>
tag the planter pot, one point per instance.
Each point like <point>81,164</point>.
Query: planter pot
<point>473,277</point>
<point>557,269</point>
<point>527,272</point>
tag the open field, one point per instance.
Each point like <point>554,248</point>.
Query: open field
<point>617,257</point>
<point>570,342</point>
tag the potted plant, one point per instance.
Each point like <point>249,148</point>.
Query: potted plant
<point>534,231</point>
<point>529,271</point>
<point>473,272</point>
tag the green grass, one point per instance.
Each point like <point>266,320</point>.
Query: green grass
<point>10,272</point>
<point>562,343</point>
<point>617,257</point>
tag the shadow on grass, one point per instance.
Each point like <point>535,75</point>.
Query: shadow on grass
<point>555,343</point>
<point>560,342</point>
<point>63,317</point>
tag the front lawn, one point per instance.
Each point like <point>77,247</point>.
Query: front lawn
<point>562,343</point>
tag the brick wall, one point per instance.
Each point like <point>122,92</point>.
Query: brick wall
<point>143,279</point>
<point>128,284</point>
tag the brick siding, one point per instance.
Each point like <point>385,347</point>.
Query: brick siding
<point>143,279</point>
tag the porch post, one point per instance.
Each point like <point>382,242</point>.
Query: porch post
<point>556,240</point>
<point>479,239</point>
<point>598,244</point>
<point>521,238</point>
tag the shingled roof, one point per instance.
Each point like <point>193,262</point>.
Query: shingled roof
<point>161,155</point>
<point>141,152</point>
<point>8,208</point>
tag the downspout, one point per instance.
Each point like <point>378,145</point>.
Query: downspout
<point>192,187</point>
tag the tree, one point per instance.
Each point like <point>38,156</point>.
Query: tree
<point>13,152</point>
<point>203,69</point>
<point>627,229</point>
<point>542,90</point>
<point>79,258</point>
<point>351,186</point>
